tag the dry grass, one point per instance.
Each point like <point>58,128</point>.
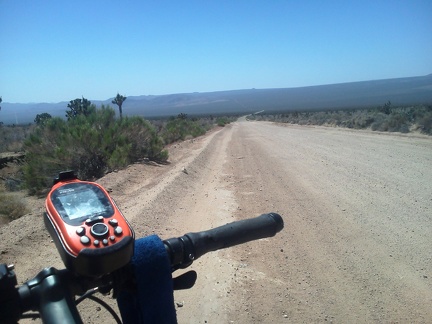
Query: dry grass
<point>12,206</point>
<point>12,137</point>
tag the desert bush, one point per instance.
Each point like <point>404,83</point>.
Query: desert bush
<point>385,118</point>
<point>13,136</point>
<point>398,122</point>
<point>379,123</point>
<point>425,123</point>
<point>361,119</point>
<point>89,144</point>
<point>423,119</point>
<point>386,108</point>
<point>222,121</point>
<point>179,128</point>
<point>11,207</point>
<point>394,122</point>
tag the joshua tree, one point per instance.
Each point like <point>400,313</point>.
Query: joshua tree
<point>182,116</point>
<point>118,100</point>
<point>78,107</point>
<point>42,118</point>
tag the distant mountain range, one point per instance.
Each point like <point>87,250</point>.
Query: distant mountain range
<point>400,91</point>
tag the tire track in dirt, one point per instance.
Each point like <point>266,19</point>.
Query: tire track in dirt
<point>191,196</point>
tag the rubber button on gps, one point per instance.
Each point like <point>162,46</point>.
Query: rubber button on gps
<point>80,231</point>
<point>85,240</point>
<point>113,222</point>
<point>99,230</point>
<point>118,231</point>
<point>93,220</point>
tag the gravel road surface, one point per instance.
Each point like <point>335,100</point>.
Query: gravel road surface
<point>357,206</point>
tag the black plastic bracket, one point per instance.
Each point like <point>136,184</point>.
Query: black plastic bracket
<point>65,175</point>
<point>9,298</point>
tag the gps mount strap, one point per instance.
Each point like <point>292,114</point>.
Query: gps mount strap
<point>153,301</point>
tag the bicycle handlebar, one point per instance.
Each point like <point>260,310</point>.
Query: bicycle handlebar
<point>52,291</point>
<point>184,250</point>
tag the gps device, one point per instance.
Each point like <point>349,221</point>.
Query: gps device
<point>89,231</point>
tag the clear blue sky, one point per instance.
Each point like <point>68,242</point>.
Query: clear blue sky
<point>54,50</point>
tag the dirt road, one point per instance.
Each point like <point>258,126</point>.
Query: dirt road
<point>357,243</point>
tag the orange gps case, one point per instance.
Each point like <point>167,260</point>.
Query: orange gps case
<point>94,246</point>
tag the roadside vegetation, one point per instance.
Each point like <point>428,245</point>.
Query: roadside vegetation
<point>11,206</point>
<point>385,118</point>
<point>180,127</point>
<point>89,140</point>
<point>13,136</point>
<point>92,141</point>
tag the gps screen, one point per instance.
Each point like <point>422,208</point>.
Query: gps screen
<point>77,201</point>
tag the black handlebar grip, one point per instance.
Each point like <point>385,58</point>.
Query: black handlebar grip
<point>235,233</point>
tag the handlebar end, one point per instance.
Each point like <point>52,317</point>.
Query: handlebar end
<point>278,220</point>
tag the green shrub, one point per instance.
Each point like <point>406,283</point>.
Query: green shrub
<point>385,118</point>
<point>386,108</point>
<point>362,120</point>
<point>423,119</point>
<point>177,129</point>
<point>91,145</point>
<point>398,122</point>
<point>379,123</point>
<point>162,156</point>
<point>426,123</point>
<point>222,121</point>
